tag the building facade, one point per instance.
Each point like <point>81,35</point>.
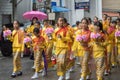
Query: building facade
<point>5,12</point>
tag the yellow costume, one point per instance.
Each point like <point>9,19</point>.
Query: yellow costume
<point>17,38</point>
<point>105,25</point>
<point>110,46</point>
<point>38,47</point>
<point>91,27</point>
<point>30,29</point>
<point>98,48</point>
<point>117,42</point>
<point>84,53</point>
<point>49,45</point>
<point>62,36</point>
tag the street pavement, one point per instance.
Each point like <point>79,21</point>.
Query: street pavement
<point>6,70</point>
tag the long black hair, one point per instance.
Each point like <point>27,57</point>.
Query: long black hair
<point>33,19</point>
<point>99,24</point>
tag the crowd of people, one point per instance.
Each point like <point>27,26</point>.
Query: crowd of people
<point>60,45</point>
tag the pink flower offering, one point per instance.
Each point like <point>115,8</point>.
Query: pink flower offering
<point>7,33</point>
<point>117,34</point>
<point>81,38</point>
<point>27,39</point>
<point>49,30</point>
<point>94,36</point>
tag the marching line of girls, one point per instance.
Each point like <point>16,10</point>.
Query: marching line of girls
<point>100,40</point>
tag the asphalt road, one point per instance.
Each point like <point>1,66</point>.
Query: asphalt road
<point>6,70</point>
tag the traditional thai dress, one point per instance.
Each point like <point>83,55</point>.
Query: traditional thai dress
<point>38,47</point>
<point>49,45</point>
<point>110,47</point>
<point>91,27</point>
<point>18,48</point>
<point>117,42</point>
<point>98,48</point>
<point>30,29</point>
<point>76,48</point>
<point>105,25</point>
<point>70,59</point>
<point>62,36</point>
<point>84,52</point>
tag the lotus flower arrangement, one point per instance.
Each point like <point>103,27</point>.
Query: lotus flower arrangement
<point>95,36</point>
<point>117,34</point>
<point>49,32</point>
<point>7,34</point>
<point>81,38</point>
<point>27,41</point>
<point>110,30</point>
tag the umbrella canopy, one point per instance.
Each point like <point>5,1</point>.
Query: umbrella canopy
<point>59,9</point>
<point>31,14</point>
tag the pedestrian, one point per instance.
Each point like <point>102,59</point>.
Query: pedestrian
<point>98,47</point>
<point>17,45</point>
<point>38,47</point>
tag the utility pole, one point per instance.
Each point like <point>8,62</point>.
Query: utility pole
<point>13,9</point>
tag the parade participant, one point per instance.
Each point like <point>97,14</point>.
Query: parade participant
<point>95,19</point>
<point>76,27</point>
<point>75,47</point>
<point>90,25</point>
<point>118,23</point>
<point>62,36</point>
<point>117,43</point>
<point>17,38</point>
<point>47,33</point>
<point>36,25</point>
<point>98,48</point>
<point>70,59</point>
<point>104,22</point>
<point>110,46</point>
<point>38,47</point>
<point>83,38</point>
<point>31,27</point>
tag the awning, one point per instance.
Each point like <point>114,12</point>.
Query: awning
<point>59,9</point>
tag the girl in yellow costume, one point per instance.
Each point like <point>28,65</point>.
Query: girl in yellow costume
<point>117,42</point>
<point>70,59</point>
<point>49,41</point>
<point>61,48</point>
<point>98,48</point>
<point>36,25</point>
<point>104,22</point>
<point>17,39</point>
<point>38,47</point>
<point>90,25</point>
<point>30,29</point>
<point>110,46</point>
<point>85,34</point>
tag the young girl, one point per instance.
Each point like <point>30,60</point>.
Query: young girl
<point>117,42</point>
<point>110,45</point>
<point>62,37</point>
<point>83,38</point>
<point>47,33</point>
<point>17,38</point>
<point>38,47</point>
<point>98,48</point>
<point>32,26</point>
